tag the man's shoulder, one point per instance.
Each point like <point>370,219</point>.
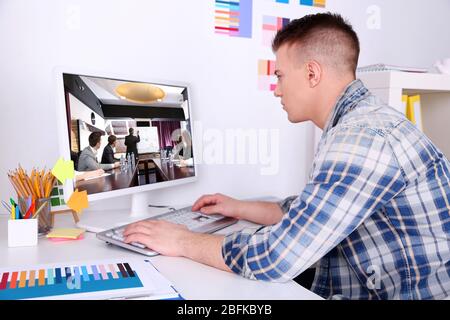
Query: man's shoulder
<point>372,114</point>
<point>86,151</point>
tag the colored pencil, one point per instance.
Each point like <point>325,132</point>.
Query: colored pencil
<point>39,210</point>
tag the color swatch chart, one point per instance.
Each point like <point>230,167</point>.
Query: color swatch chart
<point>311,3</point>
<point>66,280</point>
<point>233,18</point>
<point>266,75</point>
<point>270,27</point>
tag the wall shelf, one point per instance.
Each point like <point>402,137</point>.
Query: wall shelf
<point>434,91</point>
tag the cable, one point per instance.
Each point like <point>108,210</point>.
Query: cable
<point>158,206</point>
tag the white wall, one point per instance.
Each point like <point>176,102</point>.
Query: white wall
<point>174,40</point>
<point>80,111</point>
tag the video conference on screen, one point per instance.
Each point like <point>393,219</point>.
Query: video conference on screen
<point>143,129</point>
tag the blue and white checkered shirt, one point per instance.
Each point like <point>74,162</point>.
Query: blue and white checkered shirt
<point>373,218</point>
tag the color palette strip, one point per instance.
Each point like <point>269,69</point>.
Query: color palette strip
<point>313,3</point>
<point>279,1</point>
<point>27,284</point>
<point>270,27</point>
<point>266,75</point>
<point>234,18</point>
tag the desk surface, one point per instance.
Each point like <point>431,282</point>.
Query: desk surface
<point>174,172</point>
<point>193,280</point>
<point>115,181</point>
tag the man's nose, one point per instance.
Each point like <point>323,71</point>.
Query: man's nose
<point>277,92</point>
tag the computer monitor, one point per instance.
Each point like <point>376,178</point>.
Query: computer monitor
<point>150,122</point>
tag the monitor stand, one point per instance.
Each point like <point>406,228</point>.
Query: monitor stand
<point>101,220</point>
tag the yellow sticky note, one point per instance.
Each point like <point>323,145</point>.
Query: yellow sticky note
<point>63,170</point>
<point>78,201</point>
<point>70,233</point>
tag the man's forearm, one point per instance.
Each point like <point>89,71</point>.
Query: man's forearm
<point>204,248</point>
<point>260,212</point>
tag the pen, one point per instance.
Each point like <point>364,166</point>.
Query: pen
<point>18,216</point>
<point>7,206</point>
<point>30,210</point>
<point>13,212</point>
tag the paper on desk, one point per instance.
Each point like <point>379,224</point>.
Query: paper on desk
<point>103,175</point>
<point>63,170</point>
<point>164,289</point>
<point>69,233</point>
<point>78,201</point>
<point>66,239</point>
<point>139,279</point>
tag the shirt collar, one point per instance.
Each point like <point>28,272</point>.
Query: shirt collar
<point>352,94</point>
<point>94,151</point>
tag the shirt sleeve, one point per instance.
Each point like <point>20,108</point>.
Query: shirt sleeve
<point>106,166</point>
<point>285,204</point>
<point>354,174</point>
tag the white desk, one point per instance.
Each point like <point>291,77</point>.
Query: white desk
<point>191,279</point>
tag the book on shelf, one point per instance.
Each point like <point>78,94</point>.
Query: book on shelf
<point>387,67</point>
<point>405,105</point>
<point>414,110</point>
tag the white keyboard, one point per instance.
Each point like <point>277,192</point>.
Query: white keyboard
<point>194,221</point>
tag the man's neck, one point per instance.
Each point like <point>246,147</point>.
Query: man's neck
<point>329,100</point>
<point>94,150</point>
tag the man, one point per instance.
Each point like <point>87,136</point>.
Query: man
<point>373,219</point>
<point>108,151</point>
<point>88,157</point>
<point>131,142</point>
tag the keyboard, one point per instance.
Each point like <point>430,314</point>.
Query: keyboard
<point>194,221</point>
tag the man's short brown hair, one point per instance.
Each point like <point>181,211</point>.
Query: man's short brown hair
<point>111,139</point>
<point>94,138</point>
<point>325,36</point>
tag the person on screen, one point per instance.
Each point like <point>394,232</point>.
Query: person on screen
<point>131,142</point>
<point>372,221</point>
<point>183,147</point>
<point>108,151</point>
<point>88,157</point>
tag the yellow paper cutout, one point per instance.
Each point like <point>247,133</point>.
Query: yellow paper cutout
<point>63,170</point>
<point>78,201</point>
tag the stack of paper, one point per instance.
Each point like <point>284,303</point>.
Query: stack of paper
<point>386,67</point>
<point>66,234</point>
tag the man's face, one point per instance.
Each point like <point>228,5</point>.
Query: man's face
<point>293,87</point>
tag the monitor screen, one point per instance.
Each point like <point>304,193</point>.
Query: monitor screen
<point>124,134</point>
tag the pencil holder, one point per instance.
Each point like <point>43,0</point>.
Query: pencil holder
<point>44,217</point>
<point>22,232</point>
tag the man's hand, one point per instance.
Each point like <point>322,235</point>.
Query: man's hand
<point>98,172</point>
<point>260,212</point>
<point>218,203</point>
<point>161,236</point>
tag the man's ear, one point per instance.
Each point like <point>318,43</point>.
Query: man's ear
<point>314,71</point>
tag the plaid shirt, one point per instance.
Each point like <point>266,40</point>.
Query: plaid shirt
<point>373,218</point>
